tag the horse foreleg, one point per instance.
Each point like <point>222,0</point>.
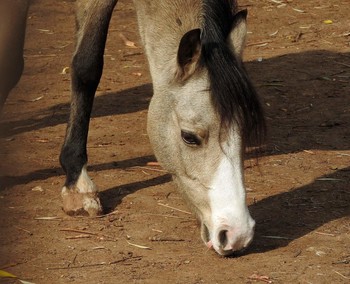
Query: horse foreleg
<point>80,196</point>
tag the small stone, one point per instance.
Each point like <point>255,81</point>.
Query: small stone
<point>38,188</point>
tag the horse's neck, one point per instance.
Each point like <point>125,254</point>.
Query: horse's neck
<point>162,24</point>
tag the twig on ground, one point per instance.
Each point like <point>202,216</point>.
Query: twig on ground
<point>88,233</point>
<point>138,246</point>
<point>263,278</point>
<point>344,64</point>
<point>105,215</point>
<point>82,236</point>
<point>96,264</point>
<point>167,216</point>
<point>126,41</point>
<point>153,164</point>
<point>126,259</point>
<point>12,264</point>
<point>170,207</point>
<point>48,218</point>
<point>261,43</point>
<point>309,152</point>
<point>345,277</point>
<point>166,239</point>
<point>276,237</point>
<point>24,230</point>
<point>325,234</point>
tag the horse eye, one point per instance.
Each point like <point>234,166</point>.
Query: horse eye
<point>190,138</point>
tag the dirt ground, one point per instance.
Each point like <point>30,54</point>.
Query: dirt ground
<point>298,55</point>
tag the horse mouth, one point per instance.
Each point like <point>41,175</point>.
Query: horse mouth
<point>206,236</point>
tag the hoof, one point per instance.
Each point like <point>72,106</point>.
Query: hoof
<point>81,204</point>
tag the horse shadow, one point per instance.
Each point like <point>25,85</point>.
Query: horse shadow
<point>43,174</point>
<point>112,103</point>
<point>112,197</point>
<point>306,100</point>
<point>287,216</point>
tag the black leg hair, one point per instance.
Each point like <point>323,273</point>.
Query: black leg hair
<point>92,21</point>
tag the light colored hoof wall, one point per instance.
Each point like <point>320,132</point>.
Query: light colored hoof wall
<point>81,204</point>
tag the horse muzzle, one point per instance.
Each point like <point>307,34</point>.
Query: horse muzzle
<point>227,240</point>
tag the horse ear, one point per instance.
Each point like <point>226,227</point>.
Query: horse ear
<point>188,54</point>
<point>238,33</point>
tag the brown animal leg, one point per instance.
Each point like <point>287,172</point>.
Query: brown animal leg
<point>13,15</point>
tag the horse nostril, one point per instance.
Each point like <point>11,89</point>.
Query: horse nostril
<point>223,238</point>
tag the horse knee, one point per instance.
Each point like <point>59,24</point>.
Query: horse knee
<point>86,70</point>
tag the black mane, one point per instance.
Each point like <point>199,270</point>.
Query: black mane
<point>233,94</point>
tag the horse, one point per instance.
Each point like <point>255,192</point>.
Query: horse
<point>203,113</point>
<point>13,15</point>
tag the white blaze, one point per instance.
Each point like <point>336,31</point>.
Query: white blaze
<point>227,198</point>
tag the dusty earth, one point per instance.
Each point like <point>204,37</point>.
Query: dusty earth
<point>298,54</point>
